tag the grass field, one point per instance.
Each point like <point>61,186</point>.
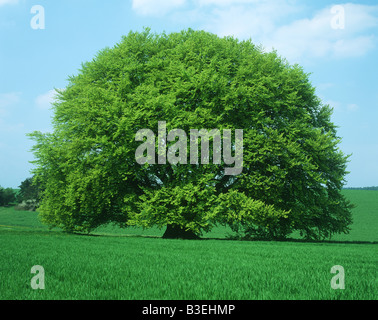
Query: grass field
<point>138,264</point>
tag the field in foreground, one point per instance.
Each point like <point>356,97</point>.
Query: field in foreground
<point>136,264</point>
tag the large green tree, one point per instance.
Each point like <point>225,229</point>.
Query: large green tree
<point>292,173</point>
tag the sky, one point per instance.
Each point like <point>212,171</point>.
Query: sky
<point>44,42</point>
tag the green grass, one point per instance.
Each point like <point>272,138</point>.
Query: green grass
<point>365,216</point>
<point>138,264</point>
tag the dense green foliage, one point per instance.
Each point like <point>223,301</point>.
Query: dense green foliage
<point>292,172</point>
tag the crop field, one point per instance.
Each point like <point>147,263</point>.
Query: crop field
<point>130,264</point>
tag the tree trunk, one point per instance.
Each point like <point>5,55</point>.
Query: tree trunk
<point>174,231</point>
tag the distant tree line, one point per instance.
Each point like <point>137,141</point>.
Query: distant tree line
<point>362,188</point>
<point>7,196</point>
<point>27,197</point>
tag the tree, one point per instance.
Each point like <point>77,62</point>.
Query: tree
<point>28,190</point>
<point>7,196</point>
<point>292,170</point>
<point>28,196</point>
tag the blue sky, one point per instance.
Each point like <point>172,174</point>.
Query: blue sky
<point>336,41</point>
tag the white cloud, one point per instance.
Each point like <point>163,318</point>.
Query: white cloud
<point>156,7</point>
<point>353,47</point>
<point>245,19</point>
<point>4,2</point>
<point>284,25</point>
<point>268,23</point>
<point>316,38</point>
<point>44,101</point>
<point>223,3</point>
<point>7,100</point>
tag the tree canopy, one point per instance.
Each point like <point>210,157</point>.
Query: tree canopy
<point>292,169</point>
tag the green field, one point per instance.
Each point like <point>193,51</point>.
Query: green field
<point>138,264</point>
